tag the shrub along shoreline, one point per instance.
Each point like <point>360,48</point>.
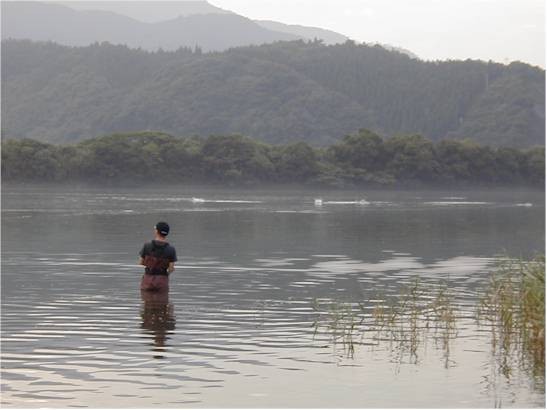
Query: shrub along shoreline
<point>360,159</point>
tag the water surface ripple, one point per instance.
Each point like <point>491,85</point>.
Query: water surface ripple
<point>240,327</point>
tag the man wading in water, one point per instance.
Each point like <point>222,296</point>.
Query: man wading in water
<point>159,259</point>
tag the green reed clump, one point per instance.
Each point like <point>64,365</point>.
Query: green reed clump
<point>514,304</point>
<point>341,323</point>
<point>399,320</point>
<point>409,319</point>
<point>420,311</point>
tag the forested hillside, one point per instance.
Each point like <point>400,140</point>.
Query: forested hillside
<point>278,93</point>
<point>360,159</point>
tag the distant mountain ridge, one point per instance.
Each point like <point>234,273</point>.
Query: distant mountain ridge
<point>198,24</point>
<point>327,36</point>
<point>63,25</point>
<point>148,11</point>
<point>279,93</point>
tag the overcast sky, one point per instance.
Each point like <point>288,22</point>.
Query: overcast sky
<point>500,30</point>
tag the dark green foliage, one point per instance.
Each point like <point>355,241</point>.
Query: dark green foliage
<point>137,157</point>
<point>533,165</point>
<point>411,158</point>
<point>32,160</point>
<point>296,163</point>
<point>511,106</point>
<point>359,159</point>
<point>235,159</point>
<point>363,150</point>
<point>277,93</point>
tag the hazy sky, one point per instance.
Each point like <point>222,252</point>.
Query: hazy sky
<point>501,30</point>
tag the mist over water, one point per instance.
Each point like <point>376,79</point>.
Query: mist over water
<point>238,327</point>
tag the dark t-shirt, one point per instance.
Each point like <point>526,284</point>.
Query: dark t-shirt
<point>158,249</point>
<point>168,252</point>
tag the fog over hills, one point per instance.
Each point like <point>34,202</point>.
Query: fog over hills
<point>196,24</point>
<point>328,36</point>
<point>149,11</point>
<point>153,12</point>
<point>168,25</point>
<point>63,25</point>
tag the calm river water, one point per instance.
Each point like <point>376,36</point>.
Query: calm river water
<point>239,327</point>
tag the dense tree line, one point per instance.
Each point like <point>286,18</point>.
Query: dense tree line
<point>360,159</point>
<point>275,92</point>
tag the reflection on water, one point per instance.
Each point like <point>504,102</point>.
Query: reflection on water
<point>76,331</point>
<point>422,315</point>
<point>158,318</point>
<point>404,326</point>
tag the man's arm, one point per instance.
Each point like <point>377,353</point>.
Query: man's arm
<point>172,260</point>
<point>142,254</point>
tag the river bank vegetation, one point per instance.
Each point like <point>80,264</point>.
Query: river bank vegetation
<point>360,159</point>
<point>514,306</point>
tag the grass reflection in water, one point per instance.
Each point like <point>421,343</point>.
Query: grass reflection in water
<point>512,304</point>
<point>405,322</point>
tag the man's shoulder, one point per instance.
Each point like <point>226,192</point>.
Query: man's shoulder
<point>171,253</point>
<point>165,247</point>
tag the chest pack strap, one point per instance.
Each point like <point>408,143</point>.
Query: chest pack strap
<point>155,262</point>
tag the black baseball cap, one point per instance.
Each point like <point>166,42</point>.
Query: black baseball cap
<point>163,228</point>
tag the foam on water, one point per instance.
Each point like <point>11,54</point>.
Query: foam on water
<point>224,201</point>
<point>359,202</point>
<point>450,203</point>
